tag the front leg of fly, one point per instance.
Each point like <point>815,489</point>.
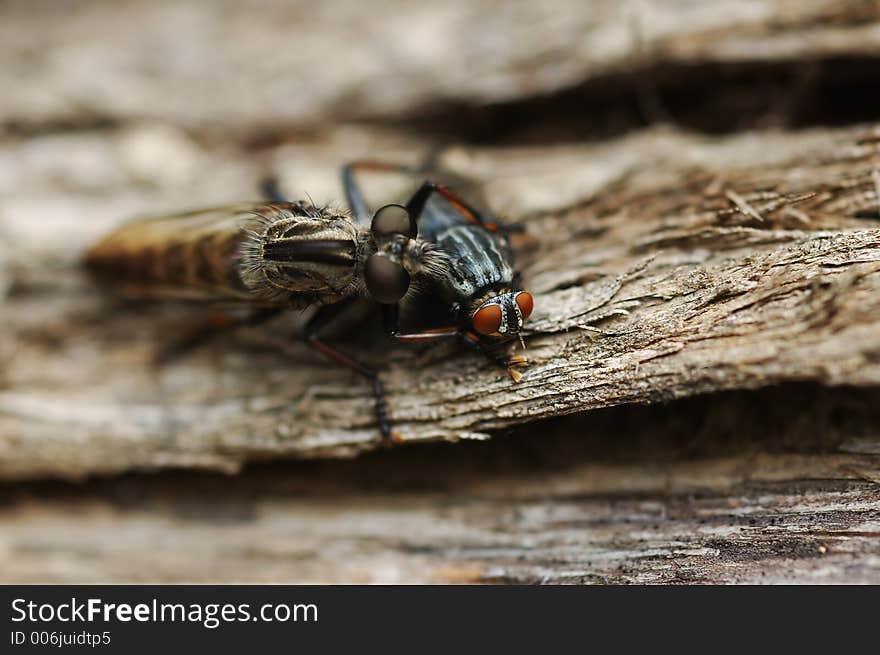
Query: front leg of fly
<point>497,353</point>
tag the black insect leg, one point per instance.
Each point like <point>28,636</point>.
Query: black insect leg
<point>353,194</point>
<point>416,205</point>
<point>271,190</point>
<point>417,202</point>
<point>322,318</point>
<point>210,328</point>
<point>390,318</point>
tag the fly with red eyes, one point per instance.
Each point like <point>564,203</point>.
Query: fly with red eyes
<point>433,249</point>
<point>436,248</point>
<point>447,252</point>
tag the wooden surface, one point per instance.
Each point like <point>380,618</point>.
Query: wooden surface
<point>731,281</point>
<point>732,488</point>
<point>241,65</point>
<point>674,276</point>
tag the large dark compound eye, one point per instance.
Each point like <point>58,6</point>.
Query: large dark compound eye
<point>387,281</point>
<point>393,219</point>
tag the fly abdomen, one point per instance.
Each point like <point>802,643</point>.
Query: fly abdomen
<point>284,254</point>
<point>188,256</point>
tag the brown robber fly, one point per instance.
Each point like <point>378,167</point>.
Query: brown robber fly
<point>435,248</point>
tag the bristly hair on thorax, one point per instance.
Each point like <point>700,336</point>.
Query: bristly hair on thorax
<point>300,254</point>
<point>426,262</point>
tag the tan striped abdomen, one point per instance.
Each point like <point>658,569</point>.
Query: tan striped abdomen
<point>194,256</point>
<point>287,254</point>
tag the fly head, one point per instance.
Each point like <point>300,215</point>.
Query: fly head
<point>501,315</point>
<point>385,271</point>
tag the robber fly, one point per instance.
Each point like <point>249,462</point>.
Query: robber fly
<point>281,255</point>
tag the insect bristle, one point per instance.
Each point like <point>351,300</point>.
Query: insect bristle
<point>299,249</point>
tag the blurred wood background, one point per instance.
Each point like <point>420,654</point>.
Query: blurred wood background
<point>702,188</point>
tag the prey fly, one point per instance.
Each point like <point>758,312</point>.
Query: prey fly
<point>435,248</point>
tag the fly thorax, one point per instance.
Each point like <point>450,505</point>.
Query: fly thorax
<point>300,249</point>
<point>478,259</point>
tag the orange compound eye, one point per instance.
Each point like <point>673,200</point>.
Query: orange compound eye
<point>526,303</point>
<point>487,319</point>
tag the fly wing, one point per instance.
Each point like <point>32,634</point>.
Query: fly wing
<point>188,256</point>
<point>216,255</point>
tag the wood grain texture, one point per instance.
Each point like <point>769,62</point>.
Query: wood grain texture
<point>241,65</point>
<point>701,403</point>
<point>721,489</point>
<point>735,264</point>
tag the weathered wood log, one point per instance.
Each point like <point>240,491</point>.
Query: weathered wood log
<point>667,266</point>
<point>720,489</point>
<point>247,65</point>
<point>702,399</point>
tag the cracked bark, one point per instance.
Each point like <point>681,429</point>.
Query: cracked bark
<point>679,274</point>
<point>726,488</point>
<point>732,283</point>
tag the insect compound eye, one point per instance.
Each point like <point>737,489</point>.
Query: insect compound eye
<point>487,319</point>
<point>387,281</point>
<point>526,303</point>
<point>393,219</point>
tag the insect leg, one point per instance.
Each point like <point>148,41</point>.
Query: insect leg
<point>271,190</point>
<point>390,319</point>
<point>326,315</point>
<point>353,194</point>
<point>416,205</point>
<point>391,323</point>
